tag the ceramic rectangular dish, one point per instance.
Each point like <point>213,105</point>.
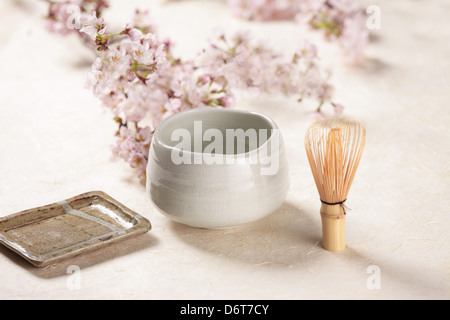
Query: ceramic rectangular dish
<point>49,234</point>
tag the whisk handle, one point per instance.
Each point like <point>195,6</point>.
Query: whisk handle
<point>333,226</point>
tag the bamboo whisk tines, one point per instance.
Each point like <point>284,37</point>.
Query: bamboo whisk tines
<point>334,148</point>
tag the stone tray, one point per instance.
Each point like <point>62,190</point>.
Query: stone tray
<point>49,234</point>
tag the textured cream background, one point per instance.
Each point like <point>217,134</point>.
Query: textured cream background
<point>54,138</point>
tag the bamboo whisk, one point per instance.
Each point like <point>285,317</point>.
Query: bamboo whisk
<point>334,148</point>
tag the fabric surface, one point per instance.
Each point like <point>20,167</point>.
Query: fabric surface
<point>55,139</point>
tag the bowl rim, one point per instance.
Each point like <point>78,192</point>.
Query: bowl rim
<point>158,141</point>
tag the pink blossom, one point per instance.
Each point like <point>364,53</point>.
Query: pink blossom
<point>133,146</point>
<point>67,16</point>
<point>142,22</point>
<point>338,109</point>
<point>251,66</point>
<point>138,79</point>
<point>227,101</point>
<point>61,18</point>
<point>93,25</point>
<point>354,39</point>
<point>306,50</point>
<point>341,21</point>
<point>263,10</point>
<point>135,34</point>
<point>316,115</point>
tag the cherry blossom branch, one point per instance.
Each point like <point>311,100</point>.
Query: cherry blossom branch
<point>342,21</point>
<point>137,77</point>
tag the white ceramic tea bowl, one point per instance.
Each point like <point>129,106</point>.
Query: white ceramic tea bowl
<point>217,168</point>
